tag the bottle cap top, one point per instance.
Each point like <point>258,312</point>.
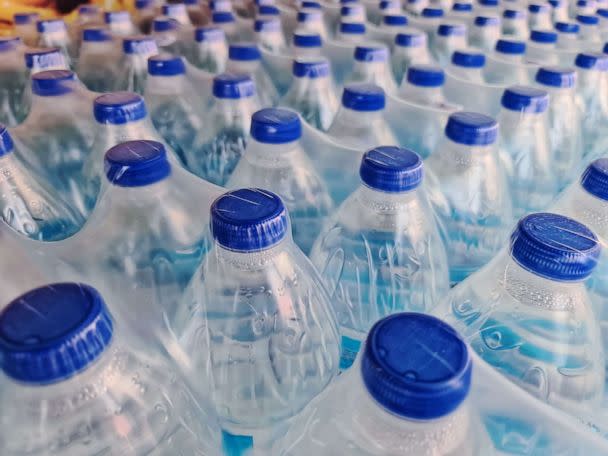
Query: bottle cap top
<point>363,97</point>
<point>556,76</point>
<point>53,83</point>
<point>471,129</point>
<point>508,46</point>
<point>595,178</point>
<point>425,76</point>
<point>314,67</point>
<point>244,52</point>
<point>118,108</point>
<point>275,126</point>
<point>391,169</point>
<point>230,85</point>
<point>136,163</point>
<point>468,58</point>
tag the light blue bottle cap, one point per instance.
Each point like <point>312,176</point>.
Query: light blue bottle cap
<point>514,14</point>
<point>136,163</point>
<point>525,99</point>
<point>462,7</point>
<point>556,76</point>
<point>244,52</point>
<point>140,44</point>
<point>8,43</point>
<point>468,59</point>
<point>455,29</point>
<point>275,126</point>
<point>116,17</point>
<point>391,169</point>
<point>595,178</point>
<point>268,10</point>
<point>315,67</point>
<point>363,97</point>
<point>509,46</point>
<point>352,28</point>
<point>587,20</point>
<point>487,21</point>
<point>536,8</point>
<point>432,12</point>
<point>53,83</point>
<point>42,58</point>
<point>25,18</point>
<point>394,19</point>
<point>50,25</point>
<point>234,86</point>
<point>96,34</point>
<point>222,17</point>
<point>119,108</point>
<point>309,15</point>
<point>411,38</point>
<point>416,366</point>
<point>164,24</point>
<point>143,4</point>
<point>6,142</point>
<point>566,27</point>
<point>371,53</point>
<point>425,76</point>
<point>543,36</point>
<point>166,65</point>
<point>471,129</point>
<point>53,332</point>
<point>307,39</point>
<point>211,34</point>
<point>248,220</point>
<point>592,61</point>
<point>555,247</point>
<point>267,25</point>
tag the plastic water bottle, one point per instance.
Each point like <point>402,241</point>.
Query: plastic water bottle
<point>306,44</point>
<point>586,7</point>
<point>269,35</point>
<point>145,11</point>
<point>25,27</point>
<point>394,23</point>
<point>410,49</point>
<point>528,313</point>
<point>43,59</point>
<point>134,65</point>
<point>485,32</point>
<point>559,10</point>
<point>589,30</point>
<point>210,49</point>
<point>423,85</point>
<point>461,11</point>
<point>415,7</point>
<point>176,11</point>
<point>510,50</point>
<point>487,6</point>
<point>88,15</point>
<point>259,320</point>
<point>468,64</point>
<point>312,19</point>
<point>430,18</point>
<point>12,80</point>
<point>274,159</point>
<point>381,252</point>
<point>541,47</point>
<point>469,192</point>
<point>393,404</point>
<point>196,13</point>
<point>220,144</point>
<point>353,12</point>
<point>84,387</point>
<point>515,23</point>
<point>53,33</point>
<point>539,16</point>
<point>372,66</point>
<point>26,205</point>
<point>226,21</point>
<point>350,32</point>
<point>448,37</point>
<point>360,121</point>
<point>602,14</point>
<point>245,57</point>
<point>312,93</point>
<point>166,33</point>
<point>97,66</point>
<point>567,36</point>
<point>386,7</point>
<point>119,23</point>
<point>565,135</point>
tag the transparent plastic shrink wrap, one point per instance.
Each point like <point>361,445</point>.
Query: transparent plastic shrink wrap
<point>98,62</point>
<point>480,412</point>
<point>13,80</point>
<point>278,67</point>
<point>257,318</point>
<point>55,138</point>
<point>75,381</point>
<point>381,252</point>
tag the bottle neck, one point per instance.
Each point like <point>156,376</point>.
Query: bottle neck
<point>240,66</point>
<point>166,85</point>
<point>235,112</point>
<point>384,202</point>
<point>108,135</point>
<point>271,155</point>
<point>251,260</point>
<point>515,58</point>
<point>358,119</point>
<point>467,73</point>
<point>97,47</point>
<point>511,121</point>
<point>421,95</point>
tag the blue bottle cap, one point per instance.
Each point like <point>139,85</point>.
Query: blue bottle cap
<point>352,28</point>
<point>592,61</point>
<point>174,9</point>
<point>248,220</point>
<point>594,179</point>
<point>425,75</point>
<point>191,2</point>
<point>587,20</point>
<point>267,25</point>
<point>487,21</point>
<point>554,247</point>
<point>543,36</point>
<point>116,17</point>
<point>229,85</point>
<point>468,59</point>
<point>53,332</point>
<point>363,97</point>
<point>88,10</point>
<point>352,10</point>
<point>536,8</point>
<point>394,19</point>
<point>244,52</point>
<point>119,108</point>
<point>311,68</point>
<point>166,65</point>
<point>275,126</point>
<point>555,3</point>
<point>140,44</point>
<point>556,76</point>
<point>268,10</point>
<point>462,7</point>
<point>455,29</point>
<point>96,34</point>
<point>311,5</point>
<point>432,12</point>
<point>222,17</point>
<point>8,43</point>
<point>387,4</point>
<point>43,58</point>
<point>53,83</point>
<point>471,129</point>
<point>508,46</point>
<point>488,2</point>
<point>411,38</point>
<point>514,14</point>
<point>136,163</point>
<point>143,4</point>
<point>566,27</point>
<point>211,34</point>
<point>525,99</point>
<point>603,12</point>
<point>371,53</point>
<point>309,16</point>
<point>25,18</point>
<point>164,24</point>
<point>307,39</point>
<point>391,169</point>
<point>6,142</point>
<point>605,49</point>
<point>50,25</point>
<point>416,366</point>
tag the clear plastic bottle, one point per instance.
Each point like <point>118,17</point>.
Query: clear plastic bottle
<point>410,49</point>
<point>226,21</point>
<point>539,16</point>
<point>177,11</point>
<point>306,44</point>
<point>134,63</point>
<point>469,192</point>
<point>430,18</point>
<point>567,36</point>
<point>25,27</point>
<point>559,10</point>
<point>353,12</point>
<point>119,23</point>
<point>351,32</point>
<point>258,318</point>
<point>461,11</point>
<point>381,252</point>
<point>485,32</point>
<point>97,66</point>
<point>448,37</point>
<point>468,64</point>
<point>515,23</point>
<point>167,34</point>
<point>143,14</point>
<point>312,19</point>
<point>269,35</point>
<point>541,47</point>
<point>510,50</point>
<point>88,15</point>
<point>210,49</point>
<point>53,33</point>
<point>372,66</point>
<point>423,85</point>
<point>13,80</point>
<point>589,30</point>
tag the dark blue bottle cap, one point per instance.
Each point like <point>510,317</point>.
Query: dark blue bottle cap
<point>416,366</point>
<point>391,169</point>
<point>394,19</point>
<point>6,142</point>
<point>487,21</point>
<point>455,29</point>
<point>556,76</point>
<point>164,24</point>
<point>555,247</point>
<point>275,126</point>
<point>140,44</point>
<point>536,8</point>
<point>605,49</point>
<point>587,20</point>
<point>136,163</point>
<point>143,4</point>
<point>53,83</point>
<point>229,85</point>
<point>468,59</point>
<point>363,97</point>
<point>603,12</point>
<point>174,9</point>
<point>244,52</point>
<point>425,75</point>
<point>248,220</point>
<point>25,18</point>
<point>307,39</point>
<point>592,61</point>
<point>432,12</point>
<point>222,17</point>
<point>268,10</point>
<point>211,34</point>
<point>119,108</point>
<point>555,3</point>
<point>41,58</point>
<point>310,15</point>
<point>166,65</point>
<point>584,3</point>
<point>471,129</point>
<point>462,7</point>
<point>595,178</point>
<point>8,43</point>
<point>53,332</point>
<point>508,46</point>
<point>50,25</point>
<point>371,53</point>
<point>315,67</point>
<point>514,14</point>
<point>566,27</point>
<point>353,28</point>
<point>267,25</point>
<point>488,2</point>
<point>311,5</point>
<point>525,99</point>
<point>96,34</point>
<point>543,36</point>
<point>411,38</point>
<point>191,2</point>
<point>88,10</point>
<point>116,17</point>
